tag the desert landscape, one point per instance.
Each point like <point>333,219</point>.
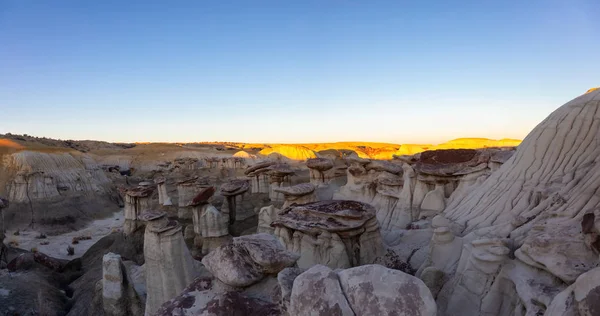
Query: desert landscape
<point>468,227</point>
<point>299,158</point>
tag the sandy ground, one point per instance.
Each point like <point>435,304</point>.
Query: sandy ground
<point>57,245</point>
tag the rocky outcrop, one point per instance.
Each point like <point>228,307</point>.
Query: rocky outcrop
<point>339,234</point>
<point>211,226</point>
<point>137,201</point>
<point>279,177</point>
<point>292,152</point>
<point>477,269</point>
<point>259,178</point>
<point>163,196</point>
<point>266,216</point>
<point>248,260</point>
<point>202,297</point>
<point>232,191</point>
<point>579,299</point>
<point>169,265</point>
<point>186,191</point>
<point>550,179</point>
<point>50,189</point>
<point>414,187</point>
<point>321,170</point>
<point>364,290</point>
<point>299,194</point>
<point>118,295</point>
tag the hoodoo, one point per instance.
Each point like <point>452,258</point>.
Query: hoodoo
<point>211,226</point>
<point>321,170</point>
<point>300,194</point>
<point>259,178</point>
<point>137,201</point>
<point>186,191</point>
<point>339,234</point>
<point>233,190</point>
<point>279,177</point>
<point>169,264</point>
<point>163,196</point>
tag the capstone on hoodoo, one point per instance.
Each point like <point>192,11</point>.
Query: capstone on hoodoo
<point>339,234</point>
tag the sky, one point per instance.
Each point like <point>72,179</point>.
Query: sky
<point>292,71</point>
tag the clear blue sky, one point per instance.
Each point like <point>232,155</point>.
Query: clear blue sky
<point>292,71</point>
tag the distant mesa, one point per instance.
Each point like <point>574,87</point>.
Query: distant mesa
<point>293,152</point>
<point>381,151</point>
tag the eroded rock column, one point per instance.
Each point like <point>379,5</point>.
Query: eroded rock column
<point>233,190</point>
<point>137,201</point>
<point>299,194</point>
<point>259,178</point>
<point>169,265</point>
<point>163,196</point>
<point>279,177</point>
<point>339,234</point>
<point>186,191</point>
<point>210,225</point>
<point>320,170</point>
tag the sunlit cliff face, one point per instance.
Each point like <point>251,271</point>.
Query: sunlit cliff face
<point>592,89</point>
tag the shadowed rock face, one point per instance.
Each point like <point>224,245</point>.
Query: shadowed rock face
<point>200,299</point>
<point>365,290</point>
<point>230,190</point>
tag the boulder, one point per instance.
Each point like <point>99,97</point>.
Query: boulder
<point>248,260</point>
<point>376,290</point>
<point>360,291</point>
<point>201,299</point>
<point>318,292</point>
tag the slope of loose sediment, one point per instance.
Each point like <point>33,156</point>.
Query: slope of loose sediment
<point>553,177</point>
<point>52,187</point>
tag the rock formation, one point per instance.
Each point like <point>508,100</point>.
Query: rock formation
<point>163,196</point>
<point>3,204</point>
<point>299,194</point>
<point>248,260</point>
<point>266,216</point>
<point>232,191</point>
<point>548,180</point>
<point>186,191</point>
<point>321,170</point>
<point>339,234</point>
<point>210,225</point>
<point>279,177</point>
<point>364,290</point>
<point>169,265</point>
<point>47,189</point>
<point>244,280</point>
<point>259,178</point>
<point>137,201</point>
<point>118,295</point>
<point>292,152</point>
<point>420,186</point>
